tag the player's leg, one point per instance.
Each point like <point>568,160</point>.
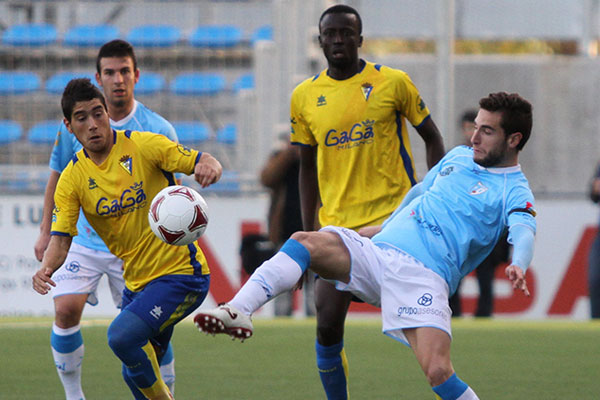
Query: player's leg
<point>332,307</point>
<point>431,347</point>
<point>66,342</point>
<point>146,323</point>
<point>485,279</point>
<point>594,278</point>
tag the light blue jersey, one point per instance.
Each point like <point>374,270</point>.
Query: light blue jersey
<point>141,118</point>
<point>464,209</point>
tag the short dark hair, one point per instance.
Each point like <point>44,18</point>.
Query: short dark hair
<point>342,9</point>
<point>516,113</point>
<point>80,89</point>
<point>467,116</point>
<point>116,48</point>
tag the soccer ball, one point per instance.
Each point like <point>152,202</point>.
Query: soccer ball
<point>178,215</point>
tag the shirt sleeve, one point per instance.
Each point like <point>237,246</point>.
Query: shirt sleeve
<point>166,154</point>
<point>409,101</point>
<point>62,151</point>
<point>300,132</point>
<point>66,206</point>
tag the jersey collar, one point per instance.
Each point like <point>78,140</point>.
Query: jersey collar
<point>122,122</point>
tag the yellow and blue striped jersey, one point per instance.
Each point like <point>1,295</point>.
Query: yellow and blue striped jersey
<point>115,197</point>
<point>364,158</point>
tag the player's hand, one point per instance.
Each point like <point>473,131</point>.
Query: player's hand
<point>41,280</point>
<point>208,170</point>
<point>517,277</point>
<point>41,244</point>
<point>369,231</point>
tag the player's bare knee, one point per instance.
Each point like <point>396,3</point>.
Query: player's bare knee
<point>66,315</point>
<point>437,374</point>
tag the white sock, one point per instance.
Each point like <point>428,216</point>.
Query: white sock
<point>67,350</point>
<point>167,371</point>
<point>274,276</point>
<point>468,394</point>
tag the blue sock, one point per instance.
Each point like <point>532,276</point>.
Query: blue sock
<point>452,389</point>
<point>297,252</point>
<point>333,366</point>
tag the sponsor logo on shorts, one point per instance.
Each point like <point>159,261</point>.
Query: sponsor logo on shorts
<point>425,300</point>
<point>73,267</point>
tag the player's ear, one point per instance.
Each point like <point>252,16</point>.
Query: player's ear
<point>68,125</point>
<point>514,139</point>
<point>360,41</point>
<point>98,81</point>
<point>136,75</point>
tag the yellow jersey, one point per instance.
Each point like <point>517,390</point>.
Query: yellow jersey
<point>115,197</point>
<point>364,159</point>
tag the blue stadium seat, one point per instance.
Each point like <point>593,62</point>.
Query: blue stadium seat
<point>229,183</point>
<point>245,81</point>
<point>10,131</point>
<point>30,35</point>
<point>190,132</point>
<point>264,32</point>
<point>90,35</point>
<point>216,36</point>
<point>154,36</point>
<point>44,132</point>
<point>56,83</point>
<point>12,82</point>
<point>149,83</point>
<point>227,134</point>
<point>198,84</point>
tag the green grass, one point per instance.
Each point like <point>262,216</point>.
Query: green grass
<point>499,359</point>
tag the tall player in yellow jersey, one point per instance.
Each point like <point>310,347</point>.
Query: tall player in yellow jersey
<point>113,179</point>
<point>355,157</point>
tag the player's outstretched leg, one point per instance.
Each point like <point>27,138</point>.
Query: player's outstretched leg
<point>276,275</point>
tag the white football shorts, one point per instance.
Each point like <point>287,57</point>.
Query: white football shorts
<point>81,273</point>
<point>409,294</point>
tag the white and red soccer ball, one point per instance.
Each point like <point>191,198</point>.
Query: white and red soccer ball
<point>178,215</point>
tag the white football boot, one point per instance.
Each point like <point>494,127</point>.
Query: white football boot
<point>224,319</point>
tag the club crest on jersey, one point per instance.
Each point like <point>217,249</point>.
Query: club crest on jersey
<point>367,88</point>
<point>186,151</point>
<point>125,162</point>
<point>479,188</point>
<point>321,101</point>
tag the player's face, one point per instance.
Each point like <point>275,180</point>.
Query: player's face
<point>340,39</point>
<point>91,126</point>
<point>490,144</point>
<point>118,78</point>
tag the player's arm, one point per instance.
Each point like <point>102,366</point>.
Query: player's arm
<point>273,172</point>
<point>44,237</point>
<point>522,238</point>
<point>308,186</point>
<point>208,170</point>
<point>54,257</point>
<point>434,144</point>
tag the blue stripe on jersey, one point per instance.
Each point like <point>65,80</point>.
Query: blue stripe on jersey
<point>316,76</point>
<point>170,177</point>
<point>197,159</point>
<point>193,260</point>
<point>75,159</point>
<point>127,134</point>
<point>57,233</point>
<point>422,122</point>
<point>406,160</point>
<point>114,136</point>
<point>378,67</point>
<point>302,144</point>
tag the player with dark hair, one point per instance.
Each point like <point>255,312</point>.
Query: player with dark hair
<point>89,258</point>
<point>128,168</point>
<point>445,226</point>
<point>355,158</point>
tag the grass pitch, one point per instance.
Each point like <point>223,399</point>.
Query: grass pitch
<point>499,359</point>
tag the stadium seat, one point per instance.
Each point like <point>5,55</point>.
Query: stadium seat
<point>229,183</point>
<point>216,36</point>
<point>245,81</point>
<point>190,132</point>
<point>198,84</point>
<point>10,131</point>
<point>56,83</point>
<point>18,82</point>
<point>30,35</point>
<point>44,132</point>
<point>90,35</point>
<point>264,32</point>
<point>154,36</point>
<point>149,83</point>
<point>227,134</point>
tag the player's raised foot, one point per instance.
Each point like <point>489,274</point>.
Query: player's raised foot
<point>224,319</point>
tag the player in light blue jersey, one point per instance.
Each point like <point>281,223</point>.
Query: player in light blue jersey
<point>89,258</point>
<point>442,230</point>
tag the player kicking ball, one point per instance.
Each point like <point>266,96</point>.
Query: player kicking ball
<point>163,283</point>
<point>410,265</point>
